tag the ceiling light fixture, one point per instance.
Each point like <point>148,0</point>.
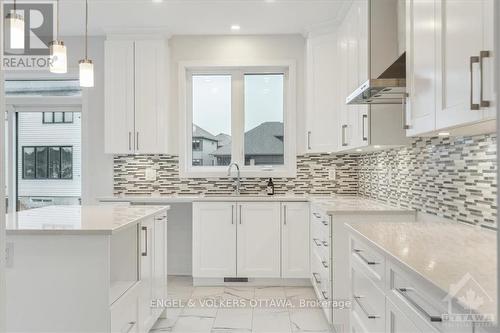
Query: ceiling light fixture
<point>85,65</point>
<point>444,133</point>
<point>15,22</point>
<point>235,27</point>
<point>58,57</point>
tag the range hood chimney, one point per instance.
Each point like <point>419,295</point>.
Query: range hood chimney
<point>390,86</point>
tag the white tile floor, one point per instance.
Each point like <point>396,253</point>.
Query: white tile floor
<point>278,310</point>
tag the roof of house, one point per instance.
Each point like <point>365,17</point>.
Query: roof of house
<point>199,132</point>
<point>223,139</point>
<point>261,140</point>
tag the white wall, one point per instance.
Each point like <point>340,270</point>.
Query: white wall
<point>97,167</point>
<point>235,48</point>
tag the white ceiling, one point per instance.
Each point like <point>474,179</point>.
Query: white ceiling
<point>201,16</point>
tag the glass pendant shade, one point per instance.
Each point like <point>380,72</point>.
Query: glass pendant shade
<point>58,58</point>
<point>86,73</point>
<point>16,25</point>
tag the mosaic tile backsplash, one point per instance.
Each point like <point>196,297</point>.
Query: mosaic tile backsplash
<point>453,178</point>
<point>312,177</point>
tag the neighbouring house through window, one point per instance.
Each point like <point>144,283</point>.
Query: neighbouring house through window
<point>239,115</point>
<point>47,162</point>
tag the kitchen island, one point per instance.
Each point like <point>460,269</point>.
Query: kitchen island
<point>86,268</point>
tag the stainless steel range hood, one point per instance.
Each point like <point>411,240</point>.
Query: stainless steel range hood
<point>388,88</point>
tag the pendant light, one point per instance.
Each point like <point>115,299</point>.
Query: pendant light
<point>86,65</point>
<point>58,58</point>
<point>16,23</point>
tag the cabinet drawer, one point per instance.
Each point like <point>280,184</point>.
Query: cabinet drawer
<point>124,313</point>
<point>421,305</point>
<point>368,301</point>
<point>371,261</point>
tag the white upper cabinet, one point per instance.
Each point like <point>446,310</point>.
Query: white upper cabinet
<point>450,66</point>
<point>322,94</point>
<point>367,44</point>
<point>119,97</point>
<point>464,61</point>
<point>135,96</point>
<point>420,66</point>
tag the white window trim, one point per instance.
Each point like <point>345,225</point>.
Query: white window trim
<point>289,169</point>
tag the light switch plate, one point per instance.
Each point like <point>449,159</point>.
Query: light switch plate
<point>150,174</point>
<point>332,174</point>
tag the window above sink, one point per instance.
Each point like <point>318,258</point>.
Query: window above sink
<point>243,114</point>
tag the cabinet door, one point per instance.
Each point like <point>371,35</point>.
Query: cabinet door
<point>119,97</point>
<point>295,240</point>
<point>460,40</point>
<point>322,90</point>
<point>214,239</point>
<point>258,240</point>
<point>421,66</point>
<point>150,100</point>
<point>146,315</point>
<point>397,322</point>
<point>160,260</point>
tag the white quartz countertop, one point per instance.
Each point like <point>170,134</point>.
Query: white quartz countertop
<point>201,198</point>
<point>441,252</point>
<point>98,219</point>
<point>355,205</point>
<point>337,204</point>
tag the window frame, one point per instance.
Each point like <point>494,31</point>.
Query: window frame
<point>23,173</point>
<point>237,71</point>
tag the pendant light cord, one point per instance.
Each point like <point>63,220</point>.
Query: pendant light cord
<point>86,26</point>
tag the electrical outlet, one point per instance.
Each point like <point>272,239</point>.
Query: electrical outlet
<point>332,174</point>
<point>150,174</point>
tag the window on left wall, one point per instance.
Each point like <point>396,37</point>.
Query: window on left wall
<point>43,144</point>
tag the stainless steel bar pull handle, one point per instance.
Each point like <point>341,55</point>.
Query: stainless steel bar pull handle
<point>232,214</point>
<point>129,141</point>
<point>344,135</point>
<point>365,125</point>
<point>315,275</point>
<point>284,215</point>
<point>137,141</point>
<point>366,261</point>
<point>405,116</point>
<point>482,55</point>
<point>404,293</point>
<point>145,253</point>
<point>363,308</point>
<point>309,140</point>
<point>473,60</point>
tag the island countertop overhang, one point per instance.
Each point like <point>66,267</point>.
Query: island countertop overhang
<point>79,220</point>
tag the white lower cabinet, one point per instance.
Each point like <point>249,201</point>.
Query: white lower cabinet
<point>250,240</point>
<point>146,274</point>
<point>214,239</point>
<point>398,301</point>
<point>398,322</point>
<point>295,241</point>
<point>152,270</point>
<point>258,246</point>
